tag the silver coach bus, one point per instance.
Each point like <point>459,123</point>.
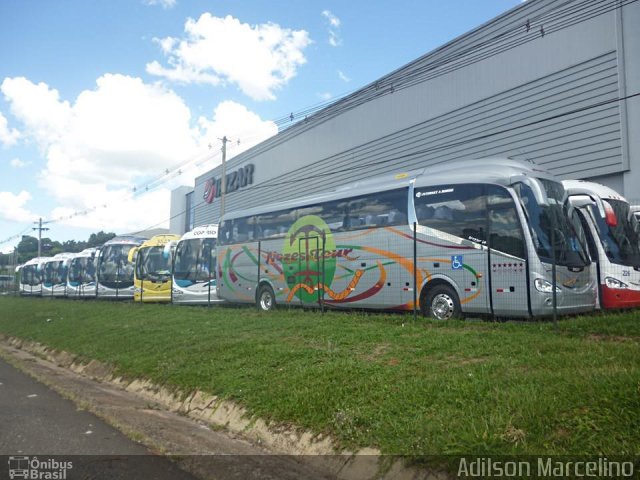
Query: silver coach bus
<point>30,276</point>
<point>115,271</point>
<point>81,276</point>
<point>54,275</point>
<point>194,267</point>
<point>488,232</point>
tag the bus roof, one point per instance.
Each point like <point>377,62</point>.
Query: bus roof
<point>160,240</point>
<point>582,187</point>
<point>87,252</point>
<point>36,261</point>
<point>126,240</point>
<point>203,231</point>
<point>499,171</point>
<point>62,256</point>
<point>489,170</point>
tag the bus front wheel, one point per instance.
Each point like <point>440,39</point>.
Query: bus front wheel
<point>442,303</point>
<point>266,299</point>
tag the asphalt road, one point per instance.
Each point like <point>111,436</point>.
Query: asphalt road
<point>37,422</point>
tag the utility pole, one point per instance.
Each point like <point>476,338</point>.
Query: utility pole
<point>40,228</point>
<point>223,179</point>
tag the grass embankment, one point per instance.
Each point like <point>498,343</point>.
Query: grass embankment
<point>421,388</point>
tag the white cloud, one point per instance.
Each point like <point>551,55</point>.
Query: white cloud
<point>13,207</point>
<point>47,115</point>
<point>17,163</point>
<point>259,59</point>
<point>166,4</point>
<point>121,134</point>
<point>325,95</point>
<point>8,137</point>
<point>343,77</point>
<point>120,210</point>
<point>334,28</point>
<point>236,122</point>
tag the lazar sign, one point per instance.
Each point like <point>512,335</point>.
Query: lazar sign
<point>237,179</point>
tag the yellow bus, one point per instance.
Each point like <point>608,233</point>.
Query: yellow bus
<point>152,273</point>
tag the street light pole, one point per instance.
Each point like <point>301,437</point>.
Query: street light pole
<point>40,228</point>
<point>223,179</point>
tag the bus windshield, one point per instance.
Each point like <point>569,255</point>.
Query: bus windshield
<point>81,270</point>
<point>621,242</point>
<point>54,273</point>
<point>195,260</point>
<point>115,271</point>
<point>29,275</point>
<point>153,265</point>
<point>551,223</point>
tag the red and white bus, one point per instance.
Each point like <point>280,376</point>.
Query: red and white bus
<point>613,238</point>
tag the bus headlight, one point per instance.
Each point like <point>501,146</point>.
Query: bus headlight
<point>611,282</point>
<point>544,286</point>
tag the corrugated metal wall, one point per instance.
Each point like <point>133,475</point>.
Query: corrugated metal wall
<point>499,90</point>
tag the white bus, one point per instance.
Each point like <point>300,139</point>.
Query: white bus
<point>613,239</point>
<point>6,283</point>
<point>54,275</point>
<point>194,267</point>
<point>115,271</point>
<point>81,277</point>
<point>488,233</point>
<point>30,276</point>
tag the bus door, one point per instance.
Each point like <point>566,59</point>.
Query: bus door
<point>310,276</point>
<point>507,258</point>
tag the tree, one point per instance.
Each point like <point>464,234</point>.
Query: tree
<point>73,246</point>
<point>97,239</point>
<point>28,246</point>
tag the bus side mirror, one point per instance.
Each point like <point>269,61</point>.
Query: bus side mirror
<point>575,202</point>
<point>167,251</point>
<point>578,201</point>
<point>133,253</point>
<point>535,186</point>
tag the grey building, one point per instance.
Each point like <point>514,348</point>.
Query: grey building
<point>551,81</point>
<point>182,216</point>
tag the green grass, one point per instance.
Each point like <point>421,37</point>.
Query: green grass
<point>422,388</point>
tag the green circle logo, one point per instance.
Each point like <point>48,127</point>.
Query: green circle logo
<point>309,257</point>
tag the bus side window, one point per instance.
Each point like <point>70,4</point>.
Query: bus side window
<point>458,210</point>
<point>380,208</point>
<point>397,218</point>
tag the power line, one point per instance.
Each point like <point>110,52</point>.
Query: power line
<point>436,148</point>
<point>449,145</point>
<point>40,229</point>
<point>559,17</point>
<point>431,70</point>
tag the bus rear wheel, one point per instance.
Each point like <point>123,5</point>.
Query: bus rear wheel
<point>266,299</point>
<point>442,303</point>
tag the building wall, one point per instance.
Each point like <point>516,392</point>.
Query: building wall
<point>629,48</point>
<point>178,221</point>
<point>500,90</point>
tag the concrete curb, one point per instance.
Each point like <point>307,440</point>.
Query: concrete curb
<point>317,450</point>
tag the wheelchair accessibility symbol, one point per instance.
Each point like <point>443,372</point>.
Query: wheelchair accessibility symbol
<point>456,262</point>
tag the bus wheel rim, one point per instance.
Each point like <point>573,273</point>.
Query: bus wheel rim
<point>442,306</point>
<point>266,301</point>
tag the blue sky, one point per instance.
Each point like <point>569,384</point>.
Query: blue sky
<point>99,98</point>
